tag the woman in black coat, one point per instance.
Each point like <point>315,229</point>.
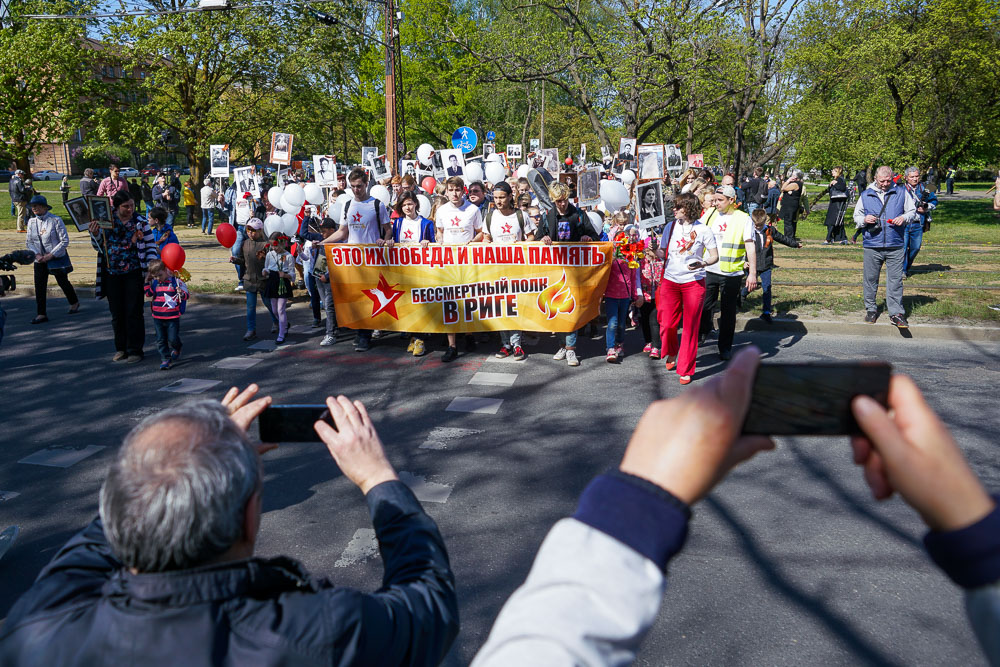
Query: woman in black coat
<point>838,207</point>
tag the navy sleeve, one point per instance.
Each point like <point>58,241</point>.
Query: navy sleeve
<point>636,512</point>
<point>969,556</point>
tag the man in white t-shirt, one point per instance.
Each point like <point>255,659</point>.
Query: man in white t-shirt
<point>505,225</point>
<point>364,220</point>
<point>458,222</point>
<point>734,237</point>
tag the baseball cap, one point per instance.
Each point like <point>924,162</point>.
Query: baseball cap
<point>255,223</point>
<point>726,191</point>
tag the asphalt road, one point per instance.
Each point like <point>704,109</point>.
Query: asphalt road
<point>789,562</point>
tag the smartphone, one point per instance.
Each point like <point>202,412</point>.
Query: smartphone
<point>292,423</point>
<point>813,399</point>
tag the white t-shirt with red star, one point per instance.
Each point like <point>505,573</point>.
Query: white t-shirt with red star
<point>363,223</point>
<point>460,223</point>
<point>409,231</point>
<point>506,229</point>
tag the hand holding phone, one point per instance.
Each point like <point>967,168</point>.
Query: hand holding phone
<point>293,423</point>
<point>695,264</point>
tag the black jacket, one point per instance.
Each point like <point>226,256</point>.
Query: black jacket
<point>764,242</point>
<point>17,190</point>
<point>86,609</point>
<point>579,225</point>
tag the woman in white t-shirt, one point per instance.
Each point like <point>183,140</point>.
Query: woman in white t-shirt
<point>687,247</point>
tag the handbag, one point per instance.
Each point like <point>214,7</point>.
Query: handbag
<point>56,264</point>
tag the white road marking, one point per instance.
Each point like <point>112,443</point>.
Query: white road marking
<point>142,413</point>
<point>506,360</point>
<point>237,363</point>
<point>8,495</point>
<point>61,456</point>
<point>497,379</point>
<point>266,345</point>
<point>361,547</point>
<point>440,436</point>
<point>426,492</point>
<point>190,386</point>
<point>483,406</point>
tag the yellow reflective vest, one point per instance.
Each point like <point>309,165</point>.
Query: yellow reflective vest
<point>732,248</point>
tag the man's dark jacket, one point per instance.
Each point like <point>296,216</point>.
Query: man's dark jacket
<point>86,609</point>
<point>579,225</point>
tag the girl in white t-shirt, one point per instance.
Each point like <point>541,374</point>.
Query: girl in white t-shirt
<point>687,246</point>
<point>279,268</point>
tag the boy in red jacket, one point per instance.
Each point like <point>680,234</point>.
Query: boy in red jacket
<point>169,294</point>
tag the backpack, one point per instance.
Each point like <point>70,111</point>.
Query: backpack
<point>520,221</point>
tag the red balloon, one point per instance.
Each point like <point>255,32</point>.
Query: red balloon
<point>173,256</point>
<point>428,184</point>
<point>226,235</point>
<point>569,162</point>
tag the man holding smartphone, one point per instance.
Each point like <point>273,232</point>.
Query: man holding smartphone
<point>171,555</point>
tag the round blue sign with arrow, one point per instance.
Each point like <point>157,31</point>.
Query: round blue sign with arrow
<point>465,139</point>
<point>491,136</point>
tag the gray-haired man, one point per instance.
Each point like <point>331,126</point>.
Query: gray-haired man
<point>166,575</point>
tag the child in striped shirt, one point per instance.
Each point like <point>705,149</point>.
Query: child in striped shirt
<point>169,295</point>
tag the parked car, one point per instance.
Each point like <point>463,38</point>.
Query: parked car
<point>47,175</point>
<point>5,175</point>
<point>171,168</point>
<point>128,172</point>
<point>151,169</point>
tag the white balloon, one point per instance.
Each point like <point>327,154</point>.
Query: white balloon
<point>336,210</point>
<point>628,176</point>
<point>493,157</point>
<point>522,171</point>
<point>272,223</point>
<point>424,153</point>
<point>287,206</point>
<point>495,172</point>
<point>614,195</point>
<point>596,222</point>
<point>295,195</point>
<point>473,172</point>
<point>274,196</point>
<point>381,193</point>
<point>313,193</point>
<point>425,205</point>
<point>289,224</point>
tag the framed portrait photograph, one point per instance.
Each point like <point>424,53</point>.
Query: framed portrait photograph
<point>583,154</point>
<point>100,210</point>
<point>551,163</point>
<point>649,204</point>
<point>514,151</point>
<point>488,150</point>
<point>380,168</point>
<point>569,179</point>
<point>588,187</point>
<point>674,158</point>
<point>534,145</point>
<point>503,160</point>
<point>219,156</point>
<point>79,213</point>
<point>325,169</point>
<point>408,167</point>
<point>366,154</point>
<point>619,166</point>
<point>437,165</point>
<point>453,161</point>
<point>283,177</point>
<point>605,154</point>
<point>626,148</point>
<point>246,181</point>
<point>281,148</point>
<point>649,162</point>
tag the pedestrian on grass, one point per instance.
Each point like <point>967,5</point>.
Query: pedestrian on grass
<point>169,294</point>
<point>48,239</point>
<point>190,199</point>
<point>208,201</point>
<point>88,185</point>
<point>791,201</point>
<point>147,192</point>
<point>113,184</point>
<point>919,203</point>
<point>162,232</point>
<point>64,190</point>
<point>838,207</point>
<point>766,235</point>
<point>19,198</point>
<point>251,258</point>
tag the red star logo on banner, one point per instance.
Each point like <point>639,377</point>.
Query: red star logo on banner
<point>383,297</point>
<point>408,234</point>
<point>357,217</point>
<point>506,228</point>
<point>456,221</point>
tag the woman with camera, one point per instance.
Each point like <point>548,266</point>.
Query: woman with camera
<point>838,206</point>
<point>48,239</point>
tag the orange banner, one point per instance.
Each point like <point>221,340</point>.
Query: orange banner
<point>476,287</point>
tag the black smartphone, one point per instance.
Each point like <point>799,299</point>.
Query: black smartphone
<point>292,423</point>
<point>813,399</point>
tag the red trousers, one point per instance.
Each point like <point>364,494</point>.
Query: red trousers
<point>679,304</point>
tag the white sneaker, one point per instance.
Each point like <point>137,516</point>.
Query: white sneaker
<point>560,355</point>
<point>571,358</point>
<point>327,341</point>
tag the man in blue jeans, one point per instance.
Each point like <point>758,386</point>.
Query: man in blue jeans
<point>913,235</point>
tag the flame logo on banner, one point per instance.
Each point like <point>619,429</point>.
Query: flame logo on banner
<point>556,298</point>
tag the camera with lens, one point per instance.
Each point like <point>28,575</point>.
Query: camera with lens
<point>7,263</point>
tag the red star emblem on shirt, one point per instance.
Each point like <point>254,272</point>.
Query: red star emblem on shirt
<point>357,217</point>
<point>456,221</point>
<point>506,228</point>
<point>408,234</point>
<point>383,297</point>
<point>723,225</point>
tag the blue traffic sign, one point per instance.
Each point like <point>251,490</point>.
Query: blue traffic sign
<point>465,138</point>
<point>491,136</point>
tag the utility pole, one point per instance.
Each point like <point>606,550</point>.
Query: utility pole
<point>541,134</point>
<point>395,119</point>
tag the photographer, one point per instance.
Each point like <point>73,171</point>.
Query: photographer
<point>48,239</point>
<point>920,201</point>
<point>167,575</point>
<point>880,216</point>
<point>599,577</point>
<point>123,254</point>
<point>791,202</point>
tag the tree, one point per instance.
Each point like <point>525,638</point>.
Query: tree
<point>46,78</point>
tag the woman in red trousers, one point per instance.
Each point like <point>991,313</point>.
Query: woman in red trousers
<point>687,247</point>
